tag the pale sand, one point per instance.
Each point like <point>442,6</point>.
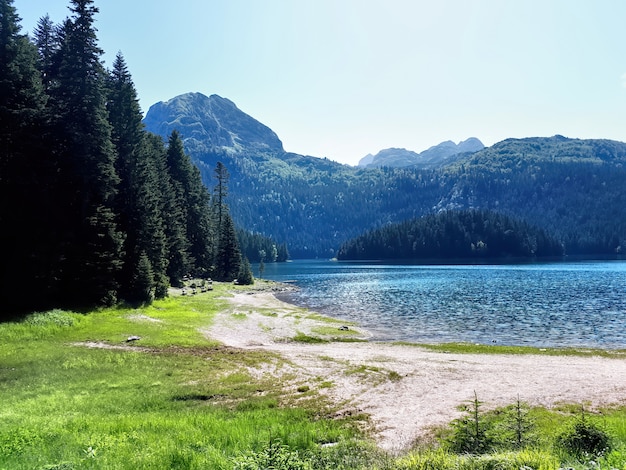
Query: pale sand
<point>407,391</point>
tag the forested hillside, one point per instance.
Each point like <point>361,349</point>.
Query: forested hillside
<point>94,209</point>
<point>453,235</point>
<point>571,188</point>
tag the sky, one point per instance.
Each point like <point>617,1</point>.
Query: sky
<point>344,78</point>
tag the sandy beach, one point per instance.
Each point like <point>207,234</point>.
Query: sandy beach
<point>406,390</point>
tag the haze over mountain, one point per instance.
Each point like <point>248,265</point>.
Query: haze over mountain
<point>433,157</point>
<point>574,189</point>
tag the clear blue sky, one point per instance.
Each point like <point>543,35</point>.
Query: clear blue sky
<point>344,78</point>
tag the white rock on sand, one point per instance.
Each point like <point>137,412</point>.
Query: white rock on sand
<point>407,390</point>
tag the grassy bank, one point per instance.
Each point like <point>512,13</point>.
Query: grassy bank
<point>75,393</point>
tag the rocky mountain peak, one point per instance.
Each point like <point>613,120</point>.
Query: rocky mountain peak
<point>435,156</point>
<point>211,122</point>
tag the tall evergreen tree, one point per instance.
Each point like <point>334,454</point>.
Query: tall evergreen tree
<point>220,192</point>
<point>171,236</point>
<point>228,254</point>
<point>228,257</point>
<point>23,168</point>
<point>89,240</point>
<point>195,198</point>
<point>138,196</point>
<point>179,257</point>
<point>48,41</point>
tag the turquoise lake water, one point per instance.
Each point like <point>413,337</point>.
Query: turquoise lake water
<point>578,304</point>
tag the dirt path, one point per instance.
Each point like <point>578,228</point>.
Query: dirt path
<point>405,389</point>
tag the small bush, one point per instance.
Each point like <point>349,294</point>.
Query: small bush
<point>275,456</point>
<point>585,439</point>
<point>470,433</point>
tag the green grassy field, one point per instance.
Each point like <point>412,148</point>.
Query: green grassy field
<point>75,394</point>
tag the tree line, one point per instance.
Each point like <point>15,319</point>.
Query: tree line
<point>472,234</point>
<point>94,209</point>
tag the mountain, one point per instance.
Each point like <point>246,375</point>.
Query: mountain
<point>211,123</point>
<point>392,157</point>
<point>434,157</point>
<point>573,189</point>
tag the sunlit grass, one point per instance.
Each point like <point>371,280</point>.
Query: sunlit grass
<point>172,399</point>
<point>441,460</point>
<point>301,337</point>
<point>472,348</point>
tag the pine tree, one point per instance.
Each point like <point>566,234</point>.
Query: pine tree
<point>179,257</point>
<point>89,240</point>
<point>220,192</point>
<point>48,41</point>
<point>141,284</point>
<point>138,200</point>
<point>228,258</point>
<point>25,277</point>
<point>245,277</point>
<point>154,153</point>
<point>228,254</point>
<point>195,199</point>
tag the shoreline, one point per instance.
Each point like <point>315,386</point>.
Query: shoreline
<point>406,390</point>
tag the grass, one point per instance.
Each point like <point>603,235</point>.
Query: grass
<point>301,337</point>
<point>175,399</point>
<point>471,348</point>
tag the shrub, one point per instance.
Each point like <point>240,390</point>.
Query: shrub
<point>470,433</point>
<point>584,438</point>
<point>275,456</point>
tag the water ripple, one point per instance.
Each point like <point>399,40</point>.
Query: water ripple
<point>544,305</point>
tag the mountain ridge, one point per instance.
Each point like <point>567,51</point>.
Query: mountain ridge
<point>433,157</point>
<point>572,188</point>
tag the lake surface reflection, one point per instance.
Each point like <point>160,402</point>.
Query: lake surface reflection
<point>580,304</point>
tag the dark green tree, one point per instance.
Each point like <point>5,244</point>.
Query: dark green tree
<point>24,170</point>
<point>48,41</point>
<point>228,254</point>
<point>178,264</point>
<point>173,245</point>
<point>228,258</point>
<point>90,243</point>
<point>138,199</point>
<point>141,285</point>
<point>195,201</point>
<point>245,277</point>
<point>220,192</point>
<point>261,263</point>
<point>252,244</point>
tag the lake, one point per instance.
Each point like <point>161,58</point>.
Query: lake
<point>565,304</point>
